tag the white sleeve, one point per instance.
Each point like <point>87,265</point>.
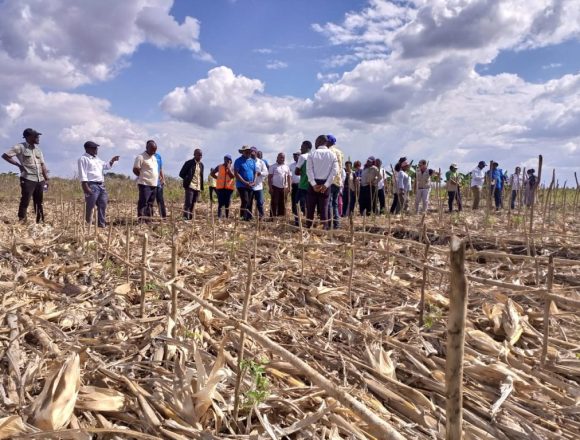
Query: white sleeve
<point>82,171</point>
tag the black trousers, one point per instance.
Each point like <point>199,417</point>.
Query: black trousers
<point>31,190</point>
<point>161,202</point>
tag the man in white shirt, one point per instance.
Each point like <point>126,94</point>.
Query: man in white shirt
<point>423,180</point>
<point>295,180</point>
<point>146,168</point>
<point>279,182</point>
<point>92,177</point>
<point>321,167</point>
<point>336,186</point>
<point>516,184</point>
<point>404,186</point>
<point>380,187</point>
<point>477,179</point>
<point>258,188</point>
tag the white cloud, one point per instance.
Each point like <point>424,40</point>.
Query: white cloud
<point>276,65</point>
<point>66,43</point>
<point>552,66</point>
<point>223,97</point>
<point>263,51</point>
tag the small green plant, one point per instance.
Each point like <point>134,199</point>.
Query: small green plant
<point>260,389</point>
<point>517,220</point>
<point>434,315</point>
<point>195,335</point>
<point>152,287</point>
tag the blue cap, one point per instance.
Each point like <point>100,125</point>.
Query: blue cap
<point>371,158</point>
<point>331,138</point>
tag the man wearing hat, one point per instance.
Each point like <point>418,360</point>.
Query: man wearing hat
<point>497,180</point>
<point>453,188</point>
<point>477,179</point>
<point>192,175</point>
<point>33,172</point>
<point>334,215</point>
<point>245,172</point>
<point>92,177</point>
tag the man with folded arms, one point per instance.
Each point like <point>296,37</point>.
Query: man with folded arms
<point>146,168</point>
<point>33,173</point>
<point>92,177</point>
<point>245,172</point>
<point>321,168</point>
<point>279,182</point>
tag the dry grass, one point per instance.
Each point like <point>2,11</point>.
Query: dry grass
<point>78,357</point>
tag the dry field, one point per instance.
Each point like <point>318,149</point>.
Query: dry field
<point>237,330</point>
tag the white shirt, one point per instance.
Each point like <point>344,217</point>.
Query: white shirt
<point>516,181</point>
<point>301,160</point>
<point>403,181</point>
<point>263,170</point>
<point>279,175</point>
<point>477,177</point>
<point>321,165</point>
<point>148,169</point>
<point>295,178</point>
<point>91,168</point>
<point>381,183</point>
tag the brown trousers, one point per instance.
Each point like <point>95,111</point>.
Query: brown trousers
<point>476,190</point>
<point>278,202</point>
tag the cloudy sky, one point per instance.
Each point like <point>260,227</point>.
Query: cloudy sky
<point>445,80</point>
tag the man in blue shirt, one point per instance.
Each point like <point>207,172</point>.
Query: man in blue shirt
<point>496,181</point>
<point>160,183</point>
<point>245,172</point>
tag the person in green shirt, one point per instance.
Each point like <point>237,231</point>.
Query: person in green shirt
<point>453,187</point>
<point>301,171</point>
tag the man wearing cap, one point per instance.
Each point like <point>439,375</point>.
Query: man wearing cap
<point>225,184</point>
<point>395,207</point>
<point>279,182</point>
<point>92,177</point>
<point>497,180</point>
<point>453,188</point>
<point>192,175</point>
<point>146,168</point>
<point>403,186</point>
<point>336,186</point>
<point>477,179</point>
<point>245,172</point>
<point>321,167</point>
<point>295,179</point>
<point>380,209</point>
<point>530,187</point>
<point>33,172</point>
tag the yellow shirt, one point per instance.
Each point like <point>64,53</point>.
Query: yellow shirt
<point>340,159</point>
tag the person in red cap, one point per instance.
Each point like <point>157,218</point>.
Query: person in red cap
<point>33,173</point>
<point>92,177</point>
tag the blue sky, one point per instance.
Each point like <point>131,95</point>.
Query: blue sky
<point>446,80</point>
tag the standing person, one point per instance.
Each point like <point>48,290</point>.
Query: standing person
<point>403,187</point>
<point>258,188</point>
<point>321,167</point>
<point>497,178</point>
<point>279,182</point>
<point>192,174</point>
<point>530,187</point>
<point>260,156</point>
<point>423,177</point>
<point>381,187</point>
<point>357,170</point>
<point>295,181</point>
<point>368,186</point>
<point>146,169</point>
<point>395,205</point>
<point>453,191</point>
<point>349,190</point>
<point>336,185</point>
<point>92,176</point>
<point>211,184</point>
<point>160,184</point>
<point>245,172</point>
<point>303,184</point>
<point>477,179</point>
<point>225,183</point>
<point>33,173</point>
<point>516,184</point>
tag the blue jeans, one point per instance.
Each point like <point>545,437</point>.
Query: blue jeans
<point>333,205</point>
<point>258,196</point>
<point>497,197</point>
<point>98,198</point>
<point>513,200</point>
<point>146,200</point>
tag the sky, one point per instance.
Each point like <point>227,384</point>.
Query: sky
<point>445,80</point>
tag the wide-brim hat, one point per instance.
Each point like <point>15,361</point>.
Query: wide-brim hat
<point>245,148</point>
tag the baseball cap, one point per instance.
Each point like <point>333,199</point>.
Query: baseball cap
<point>91,144</point>
<point>371,158</point>
<point>482,162</point>
<point>227,156</point>
<point>331,138</point>
<point>30,132</point>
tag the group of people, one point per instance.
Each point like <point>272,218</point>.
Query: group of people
<point>319,180</point>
